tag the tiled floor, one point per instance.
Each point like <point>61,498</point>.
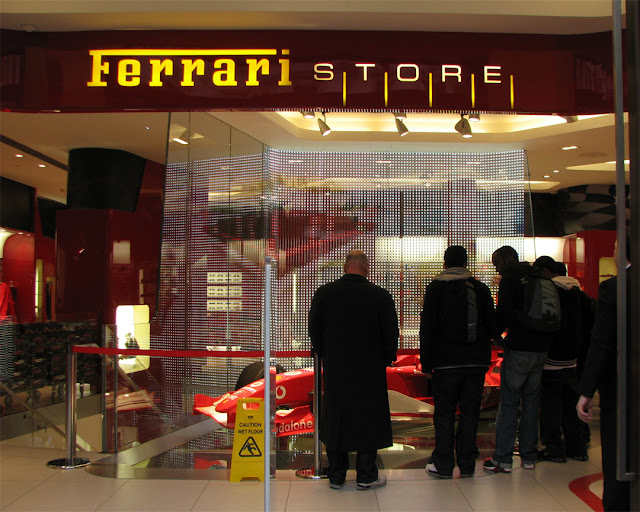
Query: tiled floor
<point>28,485</point>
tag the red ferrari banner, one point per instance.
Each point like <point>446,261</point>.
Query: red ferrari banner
<point>330,70</point>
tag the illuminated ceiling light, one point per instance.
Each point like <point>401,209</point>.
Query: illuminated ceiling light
<point>570,119</point>
<point>18,155</point>
<point>463,127</point>
<point>402,129</point>
<point>308,114</point>
<point>400,115</point>
<point>567,148</point>
<point>556,170</point>
<point>611,162</point>
<point>41,165</point>
<point>474,118</point>
<point>180,141</point>
<point>324,127</point>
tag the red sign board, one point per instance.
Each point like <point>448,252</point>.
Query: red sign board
<point>330,70</point>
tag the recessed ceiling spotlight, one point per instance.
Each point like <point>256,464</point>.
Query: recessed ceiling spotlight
<point>146,128</point>
<point>547,176</point>
<point>402,129</point>
<point>18,155</point>
<point>323,126</point>
<point>41,165</point>
<point>556,170</point>
<point>463,127</point>
<point>567,148</point>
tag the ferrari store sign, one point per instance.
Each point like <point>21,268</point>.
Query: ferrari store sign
<point>247,460</point>
<point>318,70</point>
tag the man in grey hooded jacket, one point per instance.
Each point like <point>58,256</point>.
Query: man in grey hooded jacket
<point>561,431</point>
<point>456,328</point>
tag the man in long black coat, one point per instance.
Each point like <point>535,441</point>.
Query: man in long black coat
<point>353,326</point>
<point>600,373</point>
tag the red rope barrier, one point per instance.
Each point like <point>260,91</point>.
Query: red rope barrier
<point>204,353</point>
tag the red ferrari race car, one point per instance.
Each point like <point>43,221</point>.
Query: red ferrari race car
<point>407,387</point>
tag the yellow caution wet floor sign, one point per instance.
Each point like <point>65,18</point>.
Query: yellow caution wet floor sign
<point>248,440</point>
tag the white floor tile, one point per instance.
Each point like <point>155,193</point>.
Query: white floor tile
<point>25,468</point>
<point>57,496</point>
<point>515,491</point>
<point>35,453</point>
<point>155,495</point>
<point>11,490</point>
<point>246,495</point>
<point>427,495</point>
<point>316,496</point>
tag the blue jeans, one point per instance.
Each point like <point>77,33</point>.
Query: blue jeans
<point>520,378</point>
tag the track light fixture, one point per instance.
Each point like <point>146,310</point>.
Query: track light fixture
<point>322,124</point>
<point>570,119</point>
<point>308,114</point>
<point>402,115</point>
<point>463,127</point>
<point>474,118</point>
<point>402,129</point>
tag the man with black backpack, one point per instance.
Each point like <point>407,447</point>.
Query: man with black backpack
<point>561,430</point>
<point>456,327</point>
<point>529,310</point>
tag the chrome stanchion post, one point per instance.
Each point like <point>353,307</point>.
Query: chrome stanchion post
<point>266,330</point>
<point>315,472</point>
<point>317,395</point>
<point>71,461</point>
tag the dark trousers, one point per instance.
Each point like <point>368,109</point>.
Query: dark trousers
<point>366,469</point>
<point>558,416</point>
<point>616,495</point>
<point>452,389</point>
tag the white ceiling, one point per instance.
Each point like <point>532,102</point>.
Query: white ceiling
<point>146,134</point>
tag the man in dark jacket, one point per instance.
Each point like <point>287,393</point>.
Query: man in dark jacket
<point>600,373</point>
<point>560,385</point>
<point>456,327</point>
<point>521,369</point>
<point>353,326</point>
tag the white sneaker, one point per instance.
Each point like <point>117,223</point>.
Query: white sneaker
<point>380,482</point>
<point>432,470</point>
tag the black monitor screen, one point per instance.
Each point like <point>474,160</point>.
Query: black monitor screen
<point>16,205</point>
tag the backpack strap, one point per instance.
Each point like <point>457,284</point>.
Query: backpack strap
<point>472,311</point>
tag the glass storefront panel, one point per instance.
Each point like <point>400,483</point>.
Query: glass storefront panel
<point>230,202</point>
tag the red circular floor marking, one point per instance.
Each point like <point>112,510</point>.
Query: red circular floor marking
<point>580,487</point>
